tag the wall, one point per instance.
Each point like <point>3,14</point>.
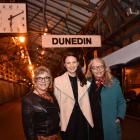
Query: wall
<point>11,90</point>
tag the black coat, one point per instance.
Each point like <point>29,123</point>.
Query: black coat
<point>40,117</point>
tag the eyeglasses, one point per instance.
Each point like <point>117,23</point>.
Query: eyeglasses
<point>41,79</point>
<point>101,67</point>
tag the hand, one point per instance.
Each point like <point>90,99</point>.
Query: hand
<point>117,121</point>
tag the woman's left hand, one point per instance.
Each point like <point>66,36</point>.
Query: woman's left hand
<point>117,121</point>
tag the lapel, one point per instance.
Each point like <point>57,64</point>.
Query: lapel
<point>82,90</point>
<point>65,85</point>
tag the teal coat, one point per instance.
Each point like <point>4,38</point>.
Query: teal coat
<point>113,105</point>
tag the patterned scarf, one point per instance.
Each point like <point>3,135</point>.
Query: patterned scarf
<point>99,83</point>
<point>45,96</point>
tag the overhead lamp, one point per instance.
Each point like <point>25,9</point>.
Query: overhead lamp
<point>46,30</point>
<point>30,67</point>
<point>18,40</point>
<point>22,39</point>
<point>44,33</point>
<point>42,52</point>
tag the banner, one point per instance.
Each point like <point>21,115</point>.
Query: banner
<point>59,41</point>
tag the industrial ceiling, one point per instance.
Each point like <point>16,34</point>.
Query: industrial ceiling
<point>108,18</point>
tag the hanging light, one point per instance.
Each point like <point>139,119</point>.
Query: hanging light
<point>22,39</point>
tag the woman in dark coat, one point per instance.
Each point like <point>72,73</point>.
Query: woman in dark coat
<point>40,112</point>
<point>107,102</point>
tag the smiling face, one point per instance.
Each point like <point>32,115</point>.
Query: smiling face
<point>42,81</point>
<point>71,65</point>
<point>97,68</point>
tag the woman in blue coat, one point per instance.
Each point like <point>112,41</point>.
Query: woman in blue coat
<point>107,102</point>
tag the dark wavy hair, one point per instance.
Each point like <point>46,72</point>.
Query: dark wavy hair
<point>79,73</point>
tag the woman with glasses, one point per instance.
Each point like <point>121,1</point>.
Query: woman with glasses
<point>40,113</point>
<point>107,102</point>
<point>71,91</point>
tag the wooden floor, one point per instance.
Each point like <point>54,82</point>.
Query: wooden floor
<point>11,124</point>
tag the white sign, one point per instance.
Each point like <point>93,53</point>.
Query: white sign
<point>57,41</point>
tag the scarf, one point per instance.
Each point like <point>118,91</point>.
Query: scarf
<point>99,83</point>
<point>95,103</point>
<point>45,96</point>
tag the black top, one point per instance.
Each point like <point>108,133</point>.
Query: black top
<point>78,126</point>
<point>40,116</point>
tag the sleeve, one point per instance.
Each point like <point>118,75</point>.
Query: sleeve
<point>27,120</point>
<point>121,104</point>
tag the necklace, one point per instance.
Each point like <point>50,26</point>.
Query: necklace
<point>44,95</point>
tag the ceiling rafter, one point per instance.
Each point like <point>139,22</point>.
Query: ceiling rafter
<point>120,11</point>
<point>74,10</point>
<point>93,18</point>
<point>53,13</point>
<point>74,17</point>
<point>35,15</point>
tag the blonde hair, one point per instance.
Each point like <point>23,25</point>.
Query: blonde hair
<point>40,70</point>
<point>108,75</point>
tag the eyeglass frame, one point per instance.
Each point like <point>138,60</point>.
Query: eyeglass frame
<point>100,67</point>
<point>41,79</point>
